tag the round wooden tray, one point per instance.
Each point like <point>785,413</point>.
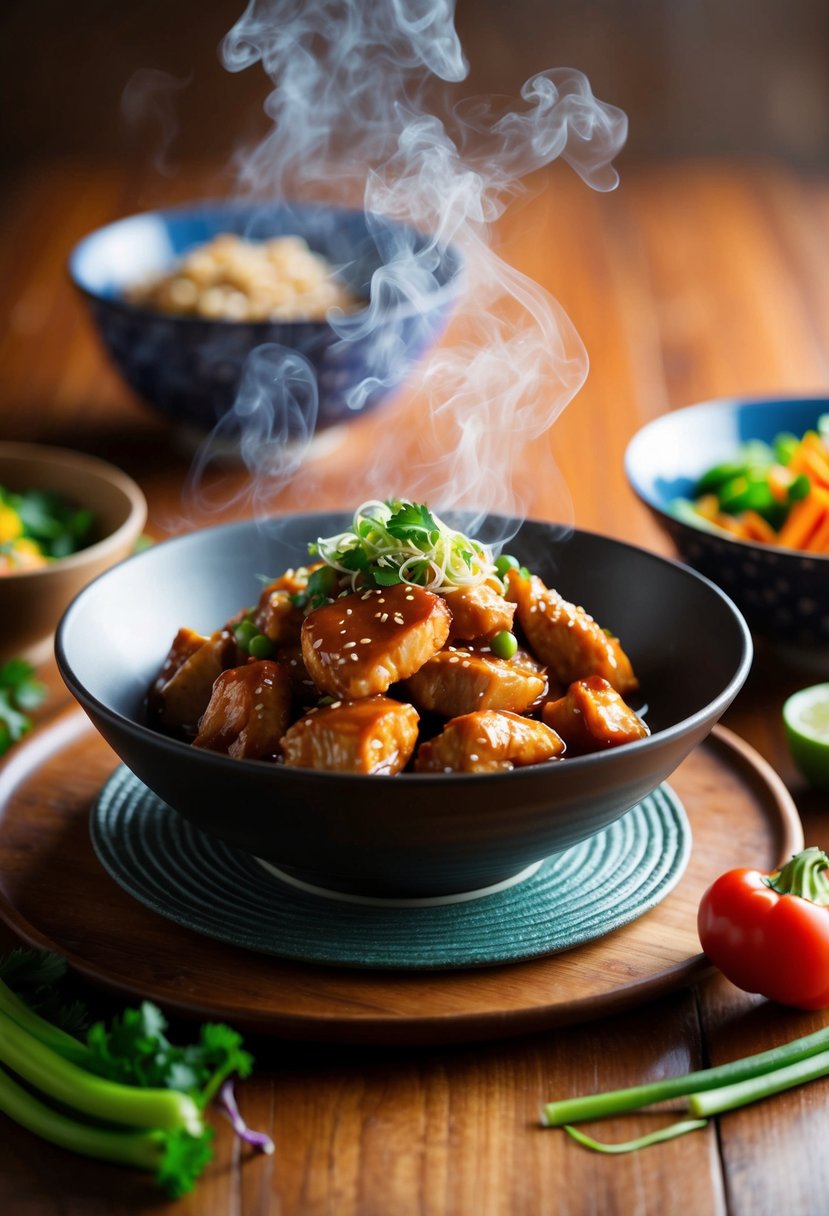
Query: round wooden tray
<point>55,895</point>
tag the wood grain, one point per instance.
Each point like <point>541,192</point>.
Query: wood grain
<point>696,279</point>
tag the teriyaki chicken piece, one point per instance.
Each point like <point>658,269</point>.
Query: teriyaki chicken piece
<point>249,711</point>
<point>372,735</point>
<point>488,741</point>
<point>361,644</point>
<point>566,638</point>
<point>459,681</point>
<point>591,717</point>
<point>180,694</point>
<point>478,611</point>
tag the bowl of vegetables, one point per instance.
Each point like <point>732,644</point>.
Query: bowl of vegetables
<point>368,703</point>
<point>64,518</point>
<point>298,316</point>
<point>742,488</point>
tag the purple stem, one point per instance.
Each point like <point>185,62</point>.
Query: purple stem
<point>226,1103</point>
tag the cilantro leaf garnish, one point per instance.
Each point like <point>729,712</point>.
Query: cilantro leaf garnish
<point>399,541</point>
<point>20,693</point>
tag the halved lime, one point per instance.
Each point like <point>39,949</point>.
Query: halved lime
<point>806,719</point>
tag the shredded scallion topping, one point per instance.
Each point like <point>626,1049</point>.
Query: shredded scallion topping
<point>404,542</point>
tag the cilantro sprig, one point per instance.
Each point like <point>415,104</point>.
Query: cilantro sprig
<point>20,694</point>
<point>399,541</point>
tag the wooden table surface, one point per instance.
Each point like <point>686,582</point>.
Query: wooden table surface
<point>693,280</point>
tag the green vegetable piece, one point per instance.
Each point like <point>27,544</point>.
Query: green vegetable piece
<point>414,522</point>
<point>504,644</point>
<point>505,563</point>
<point>785,446</point>
<point>752,1089</point>
<point>746,493</point>
<point>630,1146</point>
<point>176,1158</point>
<point>614,1102</point>
<point>29,994</point>
<point>711,481</point>
<point>385,577</point>
<point>800,488</point>
<point>260,647</point>
<point>17,676</point>
<point>244,633</point>
<point>323,585</point>
<point>92,1095</point>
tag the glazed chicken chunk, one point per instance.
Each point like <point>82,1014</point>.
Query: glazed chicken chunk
<point>566,637</point>
<point>478,612</point>
<point>180,694</point>
<point>372,735</point>
<point>361,644</point>
<point>458,681</point>
<point>248,713</point>
<point>276,615</point>
<point>592,716</point>
<point>488,741</point>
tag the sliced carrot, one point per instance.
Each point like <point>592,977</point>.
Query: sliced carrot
<point>819,540</point>
<point>816,467</point>
<point>757,528</point>
<point>732,525</point>
<point>804,519</point>
<point>780,478</point>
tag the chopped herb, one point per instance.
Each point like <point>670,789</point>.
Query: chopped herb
<point>20,694</point>
<point>404,542</point>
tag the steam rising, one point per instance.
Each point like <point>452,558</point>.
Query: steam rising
<point>365,111</point>
<point>149,98</point>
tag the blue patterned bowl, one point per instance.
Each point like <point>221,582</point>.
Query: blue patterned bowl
<point>190,368</point>
<point>783,594</point>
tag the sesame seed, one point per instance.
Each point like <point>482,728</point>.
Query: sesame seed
<point>335,705</point>
<point>342,631</point>
<point>473,755</point>
<point>398,619</point>
<point>365,641</point>
<point>259,708</point>
<point>384,616</point>
<point>409,597</point>
<point>377,744</point>
<point>465,663</point>
<point>348,611</point>
<point>366,595</point>
<point>318,643</point>
<point>355,657</point>
<point>454,658</point>
<point>257,691</point>
<point>381,600</point>
<point>348,645</point>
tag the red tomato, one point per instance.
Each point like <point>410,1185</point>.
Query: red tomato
<point>767,942</point>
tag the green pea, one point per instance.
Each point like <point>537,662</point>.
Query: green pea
<point>244,633</point>
<point>260,647</point>
<point>504,644</point>
<point>504,563</point>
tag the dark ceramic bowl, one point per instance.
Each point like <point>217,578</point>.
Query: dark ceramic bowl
<point>190,368</point>
<point>783,594</point>
<point>414,834</point>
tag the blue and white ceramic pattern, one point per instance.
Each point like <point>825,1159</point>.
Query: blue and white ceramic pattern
<point>783,594</point>
<point>191,368</point>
